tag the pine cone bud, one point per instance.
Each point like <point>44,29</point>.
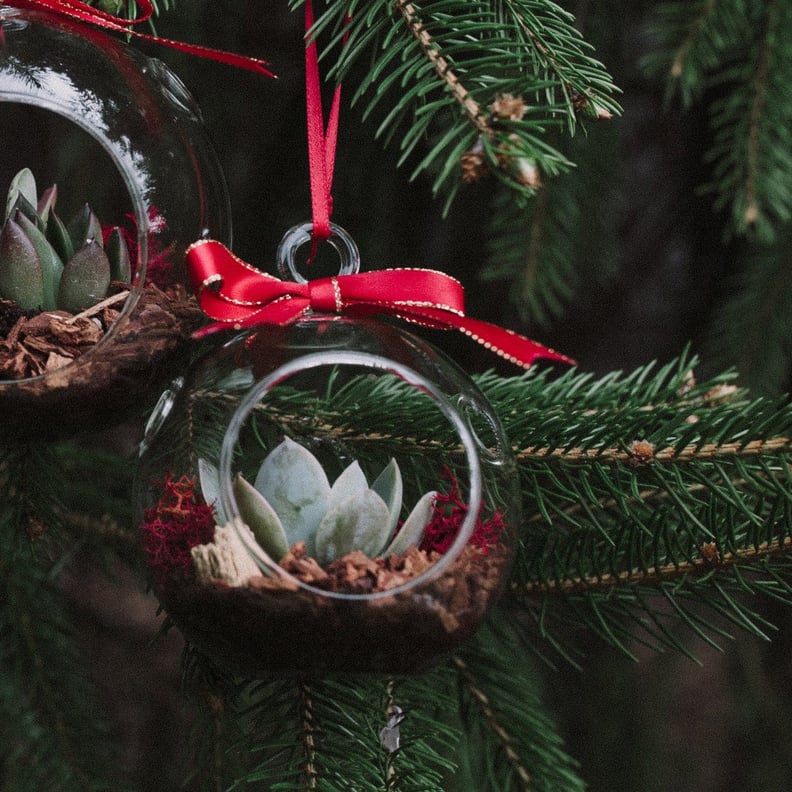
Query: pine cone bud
<point>523,169</point>
<point>508,108</point>
<point>474,164</point>
<point>583,103</point>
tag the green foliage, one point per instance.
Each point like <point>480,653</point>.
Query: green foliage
<point>656,511</point>
<point>460,726</point>
<point>751,329</point>
<point>52,733</point>
<point>694,39</point>
<point>510,742</point>
<point>647,491</point>
<point>325,734</point>
<point>645,496</point>
<point>553,247</point>
<point>45,264</point>
<point>737,52</point>
<point>437,69</point>
<point>633,543</point>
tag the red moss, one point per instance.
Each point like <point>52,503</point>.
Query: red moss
<point>179,522</point>
<point>450,511</point>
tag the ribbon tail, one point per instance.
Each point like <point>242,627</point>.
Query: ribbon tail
<point>246,62</point>
<point>511,346</point>
<point>82,12</point>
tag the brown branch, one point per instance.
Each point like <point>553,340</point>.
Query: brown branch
<point>104,527</point>
<point>97,308</point>
<point>752,208</point>
<point>442,67</point>
<point>693,452</point>
<point>308,739</point>
<point>709,560</point>
<point>500,732</point>
<point>678,64</point>
<point>577,454</point>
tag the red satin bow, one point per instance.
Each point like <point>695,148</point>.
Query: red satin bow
<point>76,9</point>
<point>238,295</point>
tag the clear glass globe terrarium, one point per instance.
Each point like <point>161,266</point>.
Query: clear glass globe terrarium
<point>334,495</point>
<point>117,131</point>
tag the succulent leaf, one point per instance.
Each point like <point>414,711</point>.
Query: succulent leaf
<point>358,523</point>
<point>51,265</point>
<point>85,279</point>
<point>23,207</point>
<point>412,531</point>
<point>118,254</point>
<point>22,185</point>
<point>21,275</point>
<point>58,236</point>
<point>46,203</point>
<point>349,483</point>
<point>261,518</point>
<point>293,482</point>
<point>388,485</point>
<point>209,477</point>
<point>85,226</point>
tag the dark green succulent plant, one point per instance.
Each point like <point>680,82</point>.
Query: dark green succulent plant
<point>47,264</point>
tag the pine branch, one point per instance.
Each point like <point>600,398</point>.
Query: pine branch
<point>542,247</point>
<point>509,741</point>
<point>444,66</point>
<point>308,740</point>
<point>52,734</point>
<point>694,40</point>
<point>443,69</point>
<point>710,559</point>
<point>220,739</point>
<point>751,329</point>
<point>737,50</point>
<point>672,490</point>
<point>505,740</point>
<point>326,734</point>
<point>634,481</point>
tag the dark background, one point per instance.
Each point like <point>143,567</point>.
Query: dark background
<point>662,724</point>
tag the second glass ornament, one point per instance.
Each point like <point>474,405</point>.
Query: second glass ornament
<point>330,495</point>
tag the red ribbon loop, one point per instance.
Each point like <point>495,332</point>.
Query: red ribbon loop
<point>237,295</point>
<point>82,12</point>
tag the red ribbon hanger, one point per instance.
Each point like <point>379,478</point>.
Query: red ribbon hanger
<point>82,12</point>
<point>238,295</point>
<point>321,141</point>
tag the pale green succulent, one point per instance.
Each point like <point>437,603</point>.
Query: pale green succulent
<point>292,500</point>
<point>46,264</point>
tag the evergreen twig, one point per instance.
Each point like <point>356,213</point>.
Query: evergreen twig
<point>440,58</point>
<point>510,744</point>
<point>51,729</point>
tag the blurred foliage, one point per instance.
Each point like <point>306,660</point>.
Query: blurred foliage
<point>672,228</point>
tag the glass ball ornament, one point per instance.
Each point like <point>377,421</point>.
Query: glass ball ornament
<point>117,129</point>
<point>333,495</point>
